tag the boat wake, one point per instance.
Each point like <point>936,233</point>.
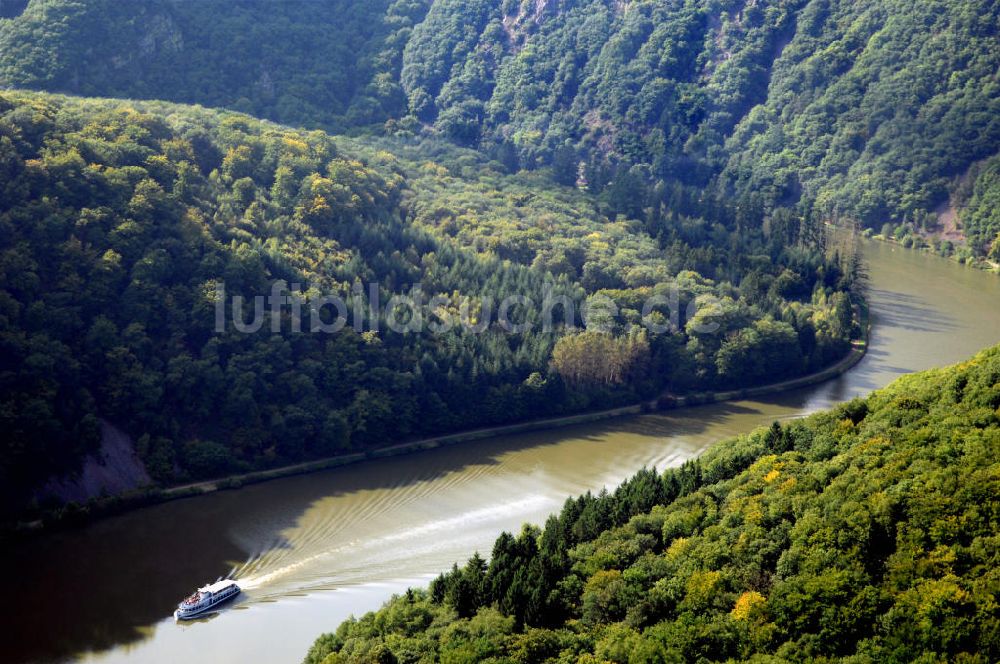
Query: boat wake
<point>310,559</point>
<point>409,529</point>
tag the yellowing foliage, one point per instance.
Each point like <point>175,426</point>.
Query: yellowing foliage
<point>702,587</point>
<point>749,606</point>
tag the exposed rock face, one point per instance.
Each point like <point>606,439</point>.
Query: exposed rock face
<point>115,468</point>
<point>161,35</point>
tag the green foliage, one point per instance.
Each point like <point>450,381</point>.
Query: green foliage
<point>864,110</point>
<point>980,215</point>
<point>867,532</point>
<point>891,101</point>
<point>765,349</point>
<point>119,221</point>
<point>861,110</point>
<point>332,64</point>
<point>206,458</point>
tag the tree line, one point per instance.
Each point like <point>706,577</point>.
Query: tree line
<point>119,222</point>
<point>864,532</point>
<point>871,112</point>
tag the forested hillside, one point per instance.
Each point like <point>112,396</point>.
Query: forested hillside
<point>868,533</point>
<point>980,206</point>
<point>118,222</point>
<point>332,63</point>
<point>868,111</point>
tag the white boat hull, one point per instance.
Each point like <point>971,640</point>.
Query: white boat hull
<point>196,612</point>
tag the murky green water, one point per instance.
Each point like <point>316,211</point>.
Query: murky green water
<point>311,550</point>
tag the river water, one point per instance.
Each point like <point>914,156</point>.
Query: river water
<point>311,550</point>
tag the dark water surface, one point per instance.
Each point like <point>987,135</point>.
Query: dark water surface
<point>311,550</point>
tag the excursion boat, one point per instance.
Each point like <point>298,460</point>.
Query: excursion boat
<point>205,598</point>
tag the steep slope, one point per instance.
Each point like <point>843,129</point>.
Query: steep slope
<point>866,110</point>
<point>867,533</point>
<point>647,82</point>
<point>119,223</point>
<point>874,108</point>
<point>331,63</point>
<point>979,210</point>
<point>861,110</point>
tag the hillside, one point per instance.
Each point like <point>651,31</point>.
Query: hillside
<point>867,533</point>
<point>119,222</point>
<point>867,111</point>
<point>980,207</point>
<point>325,63</point>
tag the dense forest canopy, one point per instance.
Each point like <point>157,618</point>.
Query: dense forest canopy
<point>301,62</point>
<point>980,213</point>
<point>871,111</point>
<point>602,154</point>
<point>119,222</point>
<point>868,532</point>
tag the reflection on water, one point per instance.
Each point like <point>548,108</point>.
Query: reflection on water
<point>311,550</point>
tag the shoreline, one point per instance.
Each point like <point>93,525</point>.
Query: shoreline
<point>147,497</point>
<point>978,263</point>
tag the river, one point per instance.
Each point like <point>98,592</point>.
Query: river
<point>311,550</point>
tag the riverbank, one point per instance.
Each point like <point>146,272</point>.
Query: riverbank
<point>858,349</point>
<point>73,515</point>
<point>927,244</point>
<point>980,263</point>
<point>341,542</point>
<point>667,401</point>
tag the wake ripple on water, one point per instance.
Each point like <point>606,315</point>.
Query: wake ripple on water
<point>311,558</point>
<point>345,538</point>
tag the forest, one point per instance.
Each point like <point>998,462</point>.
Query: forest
<point>867,112</point>
<point>311,63</point>
<point>720,159</point>
<point>119,221</point>
<point>865,533</point>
